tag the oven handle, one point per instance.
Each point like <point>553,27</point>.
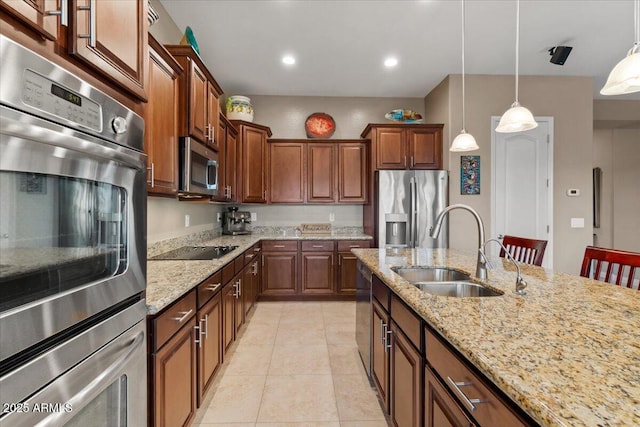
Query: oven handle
<point>106,376</point>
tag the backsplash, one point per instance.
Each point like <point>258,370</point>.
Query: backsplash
<point>294,230</point>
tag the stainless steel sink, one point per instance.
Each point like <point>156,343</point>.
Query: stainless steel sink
<point>457,289</point>
<point>430,274</point>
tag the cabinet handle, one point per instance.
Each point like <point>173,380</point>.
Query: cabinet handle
<point>470,403</point>
<point>235,286</point>
<point>339,260</point>
<point>206,325</point>
<point>412,161</point>
<point>264,194</point>
<point>198,338</point>
<point>207,131</point>
<point>405,161</point>
<point>317,246</point>
<point>256,250</point>
<point>249,256</point>
<point>153,176</point>
<point>213,288</point>
<point>353,246</point>
<point>387,341</point>
<point>230,196</point>
<point>63,13</point>
<point>184,314</point>
<point>383,330</point>
<point>92,23</point>
<point>255,268</point>
<point>278,246</point>
<point>239,288</point>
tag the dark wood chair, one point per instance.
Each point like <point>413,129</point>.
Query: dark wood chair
<point>527,251</point>
<point>620,268</point>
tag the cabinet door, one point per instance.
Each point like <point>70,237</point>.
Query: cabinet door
<point>440,410</point>
<point>198,119</point>
<point>239,303</point>
<point>425,148</point>
<point>247,289</point>
<point>279,273</point>
<point>210,345</point>
<point>317,273</point>
<point>253,162</point>
<point>391,150</point>
<point>111,36</point>
<point>405,381</point>
<point>35,13</point>
<point>174,367</point>
<point>256,280</point>
<point>228,314</point>
<point>213,116</point>
<point>352,173</point>
<point>380,352</point>
<point>286,172</point>
<point>347,273</point>
<point>161,126</point>
<point>321,173</point>
<point>230,164</point>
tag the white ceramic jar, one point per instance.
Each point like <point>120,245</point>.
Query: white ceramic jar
<point>239,108</point>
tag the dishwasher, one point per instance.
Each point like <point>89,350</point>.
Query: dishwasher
<point>363,315</point>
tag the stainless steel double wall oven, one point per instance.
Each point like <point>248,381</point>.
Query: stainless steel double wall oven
<point>72,250</point>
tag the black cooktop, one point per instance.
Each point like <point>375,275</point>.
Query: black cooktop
<point>195,253</point>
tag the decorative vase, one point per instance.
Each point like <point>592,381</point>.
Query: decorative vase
<point>239,108</point>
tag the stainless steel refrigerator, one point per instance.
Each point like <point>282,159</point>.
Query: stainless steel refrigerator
<point>408,203</point>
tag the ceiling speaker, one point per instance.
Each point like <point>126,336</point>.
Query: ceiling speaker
<point>559,54</point>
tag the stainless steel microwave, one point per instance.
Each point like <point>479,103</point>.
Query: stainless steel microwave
<point>199,168</point>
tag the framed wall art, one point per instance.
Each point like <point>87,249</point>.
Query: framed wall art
<point>470,175</point>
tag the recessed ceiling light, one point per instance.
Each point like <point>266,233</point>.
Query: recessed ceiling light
<point>390,62</point>
<point>288,59</point>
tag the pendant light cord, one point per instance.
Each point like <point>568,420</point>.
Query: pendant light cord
<point>463,92</point>
<point>517,43</point>
<point>636,20</point>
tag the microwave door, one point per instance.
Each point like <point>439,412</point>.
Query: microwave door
<point>212,175</point>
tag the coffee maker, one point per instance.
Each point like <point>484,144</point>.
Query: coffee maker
<point>235,222</point>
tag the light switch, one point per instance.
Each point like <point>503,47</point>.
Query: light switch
<point>332,217</point>
<point>577,222</point>
<point>254,216</point>
<point>187,220</point>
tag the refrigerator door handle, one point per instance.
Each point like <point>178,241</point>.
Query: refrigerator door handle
<point>414,213</point>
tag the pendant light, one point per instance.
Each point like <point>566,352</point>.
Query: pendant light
<point>517,118</point>
<point>464,141</point>
<point>625,76</point>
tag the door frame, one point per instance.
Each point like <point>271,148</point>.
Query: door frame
<point>550,193</point>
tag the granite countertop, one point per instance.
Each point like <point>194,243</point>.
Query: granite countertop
<point>167,281</point>
<point>568,352</point>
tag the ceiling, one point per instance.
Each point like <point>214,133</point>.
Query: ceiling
<point>340,46</point>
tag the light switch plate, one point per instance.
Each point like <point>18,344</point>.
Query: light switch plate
<point>332,216</point>
<point>577,222</point>
<point>187,220</point>
<point>219,216</point>
<point>254,216</point>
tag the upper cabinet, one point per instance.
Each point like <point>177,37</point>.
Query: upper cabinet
<point>251,171</point>
<point>161,121</point>
<point>227,143</point>
<point>107,38</point>
<point>400,146</point>
<point>199,98</point>
<point>318,171</point>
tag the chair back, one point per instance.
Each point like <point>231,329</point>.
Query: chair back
<point>620,268</point>
<point>527,251</point>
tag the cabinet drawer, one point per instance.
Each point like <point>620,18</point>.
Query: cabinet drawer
<point>209,288</point>
<point>249,255</point>
<point>406,320</point>
<point>173,318</point>
<point>492,411</point>
<point>228,271</point>
<point>318,245</point>
<point>347,245</point>
<point>280,246</point>
<point>238,262</point>
<point>381,292</point>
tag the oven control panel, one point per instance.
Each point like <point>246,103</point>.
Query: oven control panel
<point>43,94</point>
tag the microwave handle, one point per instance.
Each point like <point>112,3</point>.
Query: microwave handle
<point>212,163</point>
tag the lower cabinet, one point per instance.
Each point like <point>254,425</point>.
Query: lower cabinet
<point>279,267</point>
<point>229,315</point>
<point>380,352</point>
<point>440,410</point>
<point>405,370</point>
<point>209,344</point>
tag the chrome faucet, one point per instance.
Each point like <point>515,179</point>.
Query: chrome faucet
<point>481,267</point>
<point>520,283</point>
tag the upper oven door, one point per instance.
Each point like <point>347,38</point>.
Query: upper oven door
<point>72,228</point>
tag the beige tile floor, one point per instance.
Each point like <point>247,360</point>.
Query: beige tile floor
<point>295,364</point>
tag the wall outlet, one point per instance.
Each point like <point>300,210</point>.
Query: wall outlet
<point>332,217</point>
<point>219,216</point>
<point>187,220</point>
<point>254,216</point>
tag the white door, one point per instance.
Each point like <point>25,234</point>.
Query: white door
<point>522,184</point>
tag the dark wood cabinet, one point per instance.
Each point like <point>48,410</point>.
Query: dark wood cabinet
<point>229,315</point>
<point>321,173</point>
<point>209,319</point>
<point>227,136</point>
<point>251,175</point>
<point>199,97</point>
<point>346,281</point>
<point>440,409</point>
<point>279,273</point>
<point>161,121</point>
<point>405,371</point>
<point>352,172</point>
<point>380,352</point>
<point>111,37</point>
<point>37,14</point>
<point>317,267</point>
<point>287,161</point>
<point>399,146</point>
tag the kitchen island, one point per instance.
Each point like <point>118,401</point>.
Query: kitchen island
<point>567,353</point>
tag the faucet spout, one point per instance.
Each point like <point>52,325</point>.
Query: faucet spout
<point>481,267</point>
<point>520,283</point>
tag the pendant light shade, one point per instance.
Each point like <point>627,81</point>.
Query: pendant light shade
<point>517,118</point>
<point>464,141</point>
<point>625,76</point>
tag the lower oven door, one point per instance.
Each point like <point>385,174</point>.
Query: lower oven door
<point>104,388</point>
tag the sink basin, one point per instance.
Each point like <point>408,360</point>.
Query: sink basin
<point>457,289</point>
<point>430,274</point>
